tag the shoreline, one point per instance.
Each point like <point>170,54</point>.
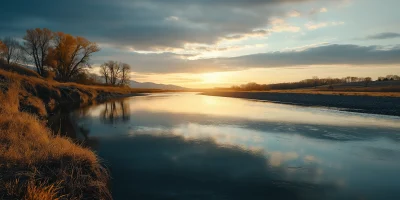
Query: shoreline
<point>37,161</point>
<point>382,105</point>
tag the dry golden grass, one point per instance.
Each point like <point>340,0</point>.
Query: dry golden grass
<point>41,192</point>
<point>18,69</point>
<point>342,93</point>
<point>37,165</point>
<point>321,92</point>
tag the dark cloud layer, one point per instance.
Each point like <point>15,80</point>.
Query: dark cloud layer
<point>152,24</point>
<point>142,24</point>
<point>323,55</point>
<point>382,36</point>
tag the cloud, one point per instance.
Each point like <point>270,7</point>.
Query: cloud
<point>254,33</point>
<point>323,10</point>
<point>144,24</point>
<point>162,63</point>
<point>334,54</point>
<point>383,36</point>
<point>172,18</point>
<point>305,47</point>
<point>328,54</point>
<point>316,11</point>
<point>314,26</point>
<point>280,25</point>
<point>294,13</point>
<point>309,158</point>
<point>278,158</point>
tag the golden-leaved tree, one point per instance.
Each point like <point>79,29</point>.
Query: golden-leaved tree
<point>70,55</point>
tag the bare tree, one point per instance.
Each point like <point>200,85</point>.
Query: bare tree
<point>125,77</point>
<point>367,80</point>
<point>115,73</point>
<point>113,69</point>
<point>315,79</point>
<point>105,72</point>
<point>12,50</point>
<point>3,49</point>
<point>36,45</point>
<point>354,79</point>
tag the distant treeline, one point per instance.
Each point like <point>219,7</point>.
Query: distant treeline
<point>389,78</point>
<point>313,82</point>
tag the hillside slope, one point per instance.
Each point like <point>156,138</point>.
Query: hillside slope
<point>151,85</point>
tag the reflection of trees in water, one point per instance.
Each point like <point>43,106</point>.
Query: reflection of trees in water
<point>115,112</point>
<point>92,142</point>
<point>64,122</point>
<point>83,112</point>
<point>60,123</point>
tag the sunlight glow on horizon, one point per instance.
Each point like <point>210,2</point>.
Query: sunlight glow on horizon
<point>212,78</point>
<point>266,75</point>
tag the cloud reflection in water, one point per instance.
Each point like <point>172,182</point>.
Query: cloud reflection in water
<point>186,146</point>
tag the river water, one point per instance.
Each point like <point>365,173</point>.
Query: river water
<point>190,146</point>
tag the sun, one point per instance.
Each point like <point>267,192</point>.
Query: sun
<point>211,78</point>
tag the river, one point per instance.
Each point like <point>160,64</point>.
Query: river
<point>190,146</point>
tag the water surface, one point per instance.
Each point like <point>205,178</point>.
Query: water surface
<point>189,146</point>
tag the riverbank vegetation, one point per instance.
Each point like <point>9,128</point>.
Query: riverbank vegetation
<point>37,165</point>
<point>38,95</point>
<point>390,83</point>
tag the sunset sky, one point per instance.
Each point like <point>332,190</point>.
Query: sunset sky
<point>215,43</point>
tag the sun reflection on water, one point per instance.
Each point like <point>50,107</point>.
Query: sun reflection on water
<point>244,140</point>
<point>254,110</point>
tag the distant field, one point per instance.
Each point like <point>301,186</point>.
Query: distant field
<point>376,86</point>
<point>319,92</point>
<point>341,93</point>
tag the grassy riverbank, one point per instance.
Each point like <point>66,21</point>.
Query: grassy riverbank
<point>366,102</point>
<point>340,93</point>
<point>38,95</point>
<point>35,164</point>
